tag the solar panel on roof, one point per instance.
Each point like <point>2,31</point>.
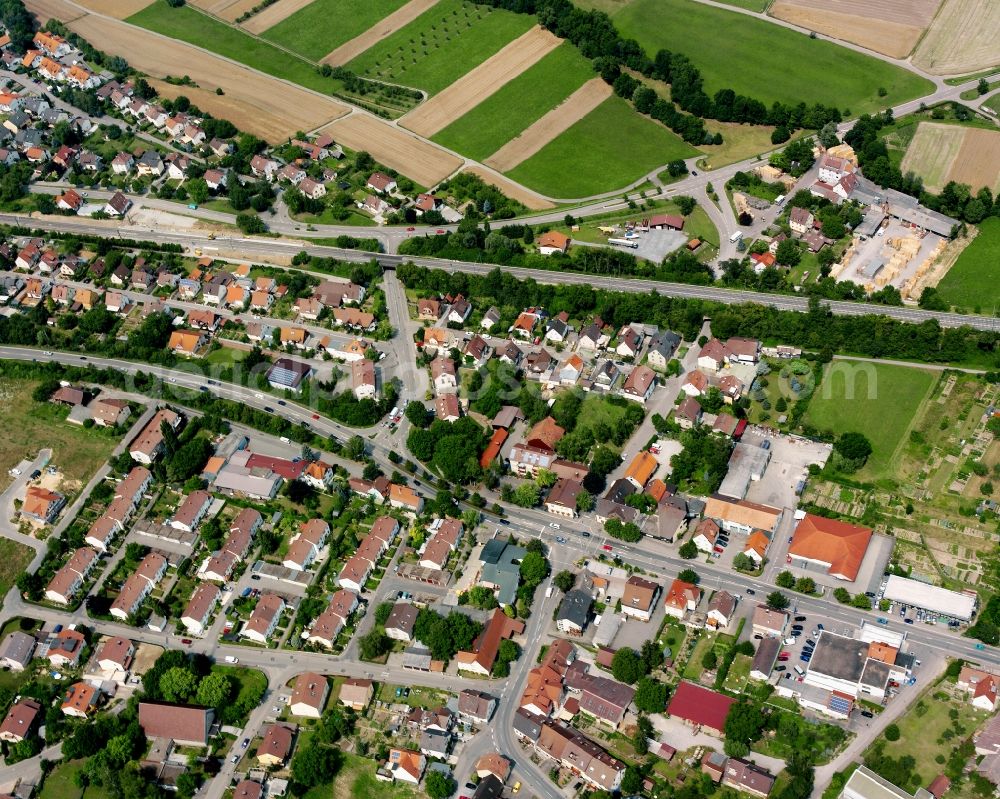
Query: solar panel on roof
<point>839,704</point>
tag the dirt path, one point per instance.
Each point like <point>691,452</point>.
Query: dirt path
<point>557,121</point>
<point>232,10</point>
<point>511,189</point>
<point>380,30</point>
<point>420,161</point>
<point>479,83</point>
<point>274,14</point>
<point>257,103</point>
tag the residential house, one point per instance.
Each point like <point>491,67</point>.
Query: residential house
<point>80,700</point>
<point>191,511</point>
<point>66,582</point>
<point>363,379</point>
<point>138,586</point>
<point>574,612</point>
<point>459,311</point>
<point>553,242</point>
<point>309,695</point>
<point>721,608</point>
<point>185,725</point>
<point>264,619</point>
<point>406,765</point>
<point>482,656</point>
<point>65,649</point>
<point>41,505</point>
<point>117,205</point>
<point>443,374</point>
<point>639,598</point>
<point>20,720</point>
<point>17,650</point>
<point>562,498</point>
<point>639,384</point>
<point>769,622</point>
<point>688,414</point>
<point>476,706</point>
<point>705,535</point>
<point>276,745</point>
<point>356,693</point>
<point>199,610</point>
<point>381,183</point>
<point>681,599</point>
<point>328,625</point>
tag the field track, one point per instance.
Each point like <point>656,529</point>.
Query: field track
<point>421,161</point>
<point>256,103</point>
<point>382,29</point>
<point>119,9</point>
<point>962,39</point>
<point>557,121</point>
<point>894,36</point>
<point>232,9</point>
<point>273,14</point>
<point>511,189</point>
<point>481,82</point>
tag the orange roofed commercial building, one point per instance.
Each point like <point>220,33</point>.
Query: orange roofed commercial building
<point>837,547</point>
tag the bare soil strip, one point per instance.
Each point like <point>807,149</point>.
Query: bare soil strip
<point>889,37</point>
<point>421,161</point>
<point>978,161</point>
<point>479,83</point>
<point>962,39</point>
<point>511,189</point>
<point>382,29</point>
<point>119,9</point>
<point>256,103</point>
<point>574,108</point>
<point>232,10</point>
<point>274,14</point>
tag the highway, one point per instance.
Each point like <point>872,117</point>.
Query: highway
<point>265,248</point>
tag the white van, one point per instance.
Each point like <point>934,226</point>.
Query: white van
<point>779,199</point>
<point>231,659</point>
<point>799,671</point>
<point>736,236</point>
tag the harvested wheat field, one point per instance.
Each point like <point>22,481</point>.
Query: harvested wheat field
<point>119,9</point>
<point>45,10</point>
<point>942,153</point>
<point>978,162</point>
<point>479,83</point>
<point>890,27</point>
<point>557,121</point>
<point>513,190</point>
<point>382,29</point>
<point>421,161</point>
<point>273,14</point>
<point>257,103</point>
<point>964,38</point>
<point>932,152</point>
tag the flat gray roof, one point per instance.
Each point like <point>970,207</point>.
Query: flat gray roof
<point>839,657</point>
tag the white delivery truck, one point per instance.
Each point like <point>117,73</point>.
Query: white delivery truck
<point>624,243</point>
<point>736,237</point>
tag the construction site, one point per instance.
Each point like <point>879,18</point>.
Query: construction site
<point>895,254</point>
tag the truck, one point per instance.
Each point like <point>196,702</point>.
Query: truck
<point>779,199</point>
<point>736,237</point>
<point>624,243</point>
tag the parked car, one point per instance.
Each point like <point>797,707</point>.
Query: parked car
<point>800,618</point>
<point>780,668</point>
<point>751,592</point>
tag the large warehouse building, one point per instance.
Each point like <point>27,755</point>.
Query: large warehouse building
<point>953,604</point>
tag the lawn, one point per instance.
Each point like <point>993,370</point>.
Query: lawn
<point>27,426</point>
<point>308,31</point>
<point>356,780</point>
<point>877,400</point>
<point>498,119</point>
<point>189,25</point>
<point>441,45</point>
<point>226,356</point>
<point>253,683</point>
<point>609,148</point>
<point>993,103</point>
<point>60,784</point>
<point>795,69</point>
<point>738,143</point>
<point>974,281</point>
<point>14,559</point>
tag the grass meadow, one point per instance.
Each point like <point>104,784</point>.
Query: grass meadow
<point>308,31</point>
<point>520,103</point>
<point>609,148</point>
<point>766,61</point>
<point>875,399</point>
<point>974,281</point>
<point>192,26</point>
<point>441,45</point>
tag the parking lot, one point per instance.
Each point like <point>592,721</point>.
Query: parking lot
<point>789,465</point>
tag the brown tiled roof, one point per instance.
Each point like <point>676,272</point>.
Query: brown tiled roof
<point>310,689</point>
<point>840,544</point>
<point>178,722</point>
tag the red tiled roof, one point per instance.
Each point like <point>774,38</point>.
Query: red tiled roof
<point>700,706</point>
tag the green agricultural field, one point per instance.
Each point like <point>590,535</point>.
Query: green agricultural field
<point>609,148</point>
<point>308,30</point>
<point>974,281</point>
<point>536,91</point>
<point>201,30</point>
<point>441,45</point>
<point>786,66</point>
<point>876,399</point>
